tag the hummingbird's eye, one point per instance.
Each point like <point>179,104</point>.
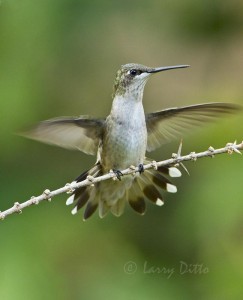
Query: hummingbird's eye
<point>135,72</point>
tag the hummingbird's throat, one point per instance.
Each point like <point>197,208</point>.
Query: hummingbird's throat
<point>130,90</point>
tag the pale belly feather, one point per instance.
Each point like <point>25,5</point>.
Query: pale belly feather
<point>124,144</point>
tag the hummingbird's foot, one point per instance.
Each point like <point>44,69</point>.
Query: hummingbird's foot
<point>140,168</point>
<point>118,174</point>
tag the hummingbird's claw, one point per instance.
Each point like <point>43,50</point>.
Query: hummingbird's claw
<point>118,174</point>
<point>140,168</point>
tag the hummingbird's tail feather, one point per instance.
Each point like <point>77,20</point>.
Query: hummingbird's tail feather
<point>118,208</point>
<point>113,195</point>
<point>171,171</point>
<point>159,177</point>
<point>87,195</point>
<point>92,204</point>
<point>136,198</point>
<point>149,186</point>
<point>161,181</point>
<point>104,208</point>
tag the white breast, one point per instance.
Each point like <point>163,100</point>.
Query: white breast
<point>125,138</point>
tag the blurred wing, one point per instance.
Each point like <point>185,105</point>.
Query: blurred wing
<point>165,125</point>
<point>79,133</point>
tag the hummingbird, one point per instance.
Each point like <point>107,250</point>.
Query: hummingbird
<point>122,139</point>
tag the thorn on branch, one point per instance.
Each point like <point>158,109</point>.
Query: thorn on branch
<point>174,155</point>
<point>193,156</point>
<point>178,156</point>
<point>17,208</point>
<point>232,148</point>
<point>211,151</point>
<point>47,193</point>
<point>2,216</point>
<point>91,179</point>
<point>154,165</point>
<point>179,150</point>
<point>34,200</point>
<point>184,167</point>
<point>133,168</point>
<point>70,188</point>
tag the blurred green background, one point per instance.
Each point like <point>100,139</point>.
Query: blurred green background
<point>60,58</point>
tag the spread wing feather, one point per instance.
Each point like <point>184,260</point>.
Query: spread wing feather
<point>165,125</point>
<point>82,133</point>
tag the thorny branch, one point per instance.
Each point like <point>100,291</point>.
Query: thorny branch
<point>176,160</point>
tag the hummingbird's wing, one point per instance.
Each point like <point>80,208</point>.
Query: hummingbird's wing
<point>82,133</point>
<point>165,125</point>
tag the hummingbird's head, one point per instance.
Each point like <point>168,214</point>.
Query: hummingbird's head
<point>131,78</point>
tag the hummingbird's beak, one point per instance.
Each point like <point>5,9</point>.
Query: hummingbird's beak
<point>160,69</point>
